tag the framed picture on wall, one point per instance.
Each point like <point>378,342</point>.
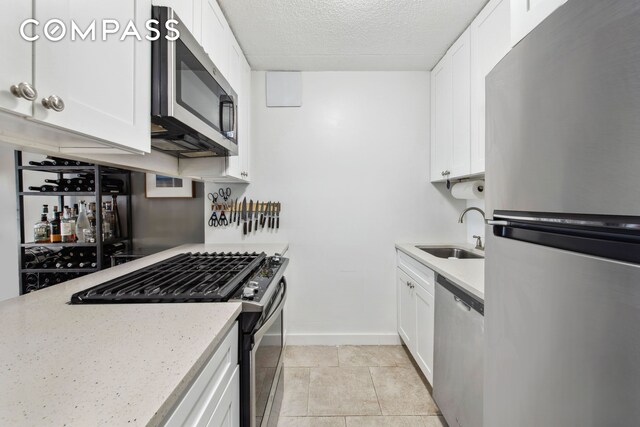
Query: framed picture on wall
<point>168,187</point>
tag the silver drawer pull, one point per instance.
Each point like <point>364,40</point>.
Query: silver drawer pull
<point>24,90</point>
<point>54,103</point>
<point>498,222</point>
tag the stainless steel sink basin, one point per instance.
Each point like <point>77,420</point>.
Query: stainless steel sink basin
<point>449,252</point>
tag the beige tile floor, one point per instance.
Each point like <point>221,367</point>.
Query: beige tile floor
<point>355,386</point>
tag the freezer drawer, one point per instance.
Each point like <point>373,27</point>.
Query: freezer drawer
<point>458,358</point>
<point>562,342</point>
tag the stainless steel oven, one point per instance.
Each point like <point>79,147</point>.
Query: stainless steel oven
<point>261,363</point>
<point>193,107</point>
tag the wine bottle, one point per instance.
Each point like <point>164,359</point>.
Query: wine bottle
<point>44,188</point>
<point>43,163</point>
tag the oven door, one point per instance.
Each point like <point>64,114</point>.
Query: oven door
<point>189,94</point>
<point>266,365</point>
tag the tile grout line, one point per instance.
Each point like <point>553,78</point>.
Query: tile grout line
<point>374,390</point>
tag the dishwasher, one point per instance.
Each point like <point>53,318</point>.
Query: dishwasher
<point>458,356</point>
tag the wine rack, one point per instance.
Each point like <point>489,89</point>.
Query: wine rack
<point>37,261</point>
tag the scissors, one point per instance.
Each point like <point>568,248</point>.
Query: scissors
<point>223,221</point>
<point>213,220</point>
<point>213,197</point>
<point>224,193</point>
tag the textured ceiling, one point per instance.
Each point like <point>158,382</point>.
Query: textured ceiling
<point>320,35</point>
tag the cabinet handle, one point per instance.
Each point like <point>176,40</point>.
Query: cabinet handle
<point>54,103</point>
<point>24,90</point>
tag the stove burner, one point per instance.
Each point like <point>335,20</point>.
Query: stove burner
<point>189,277</point>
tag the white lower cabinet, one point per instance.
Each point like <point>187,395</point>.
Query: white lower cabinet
<point>227,413</point>
<point>213,400</point>
<point>425,311</point>
<point>416,311</point>
<point>406,310</point>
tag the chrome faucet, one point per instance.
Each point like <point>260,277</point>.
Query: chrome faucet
<point>479,244</point>
<point>464,212</point>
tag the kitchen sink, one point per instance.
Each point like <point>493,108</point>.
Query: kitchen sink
<point>450,252</point>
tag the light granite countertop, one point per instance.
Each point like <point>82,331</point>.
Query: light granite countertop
<point>106,365</point>
<point>466,273</point>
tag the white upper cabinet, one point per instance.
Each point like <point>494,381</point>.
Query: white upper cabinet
<point>188,11</point>
<point>238,166</point>
<point>17,66</point>
<point>490,42</point>
<point>451,112</point>
<point>461,105</point>
<point>100,89</point>
<point>215,35</point>
<point>234,63</point>
<point>441,119</point>
<point>458,94</point>
<point>527,14</point>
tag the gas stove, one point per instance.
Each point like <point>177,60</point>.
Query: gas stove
<point>194,277</point>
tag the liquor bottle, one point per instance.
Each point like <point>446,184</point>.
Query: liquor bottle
<point>117,231</point>
<point>82,223</point>
<point>90,234</point>
<point>41,230</point>
<point>54,225</point>
<point>67,227</point>
<point>44,188</point>
<point>107,221</point>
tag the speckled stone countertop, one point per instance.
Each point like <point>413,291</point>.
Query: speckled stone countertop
<point>105,365</point>
<point>467,273</point>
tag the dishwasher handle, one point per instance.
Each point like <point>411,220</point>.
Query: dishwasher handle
<point>462,297</point>
<point>462,304</point>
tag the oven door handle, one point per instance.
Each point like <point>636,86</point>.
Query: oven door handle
<point>257,336</point>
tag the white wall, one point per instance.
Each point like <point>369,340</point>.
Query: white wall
<point>474,221</point>
<point>351,169</point>
<point>9,285</point>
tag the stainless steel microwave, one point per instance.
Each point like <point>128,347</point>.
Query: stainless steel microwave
<point>193,107</point>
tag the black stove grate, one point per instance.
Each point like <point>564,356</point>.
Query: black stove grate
<point>189,277</point>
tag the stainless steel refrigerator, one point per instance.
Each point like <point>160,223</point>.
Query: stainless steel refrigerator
<point>562,300</point>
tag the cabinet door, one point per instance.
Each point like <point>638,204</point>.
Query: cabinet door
<point>238,166</point>
<point>227,413</point>
<point>406,310</point>
<point>215,31</point>
<point>527,14</point>
<point>235,62</point>
<point>189,13</point>
<point>424,331</point>
<point>441,118</point>
<point>18,68</point>
<point>491,41</point>
<point>105,85</point>
<point>461,105</point>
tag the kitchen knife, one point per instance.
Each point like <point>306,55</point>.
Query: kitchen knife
<point>237,219</point>
<point>265,214</point>
<point>257,211</point>
<point>278,206</point>
<point>244,216</point>
<point>250,214</point>
<point>273,206</point>
<point>230,206</point>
